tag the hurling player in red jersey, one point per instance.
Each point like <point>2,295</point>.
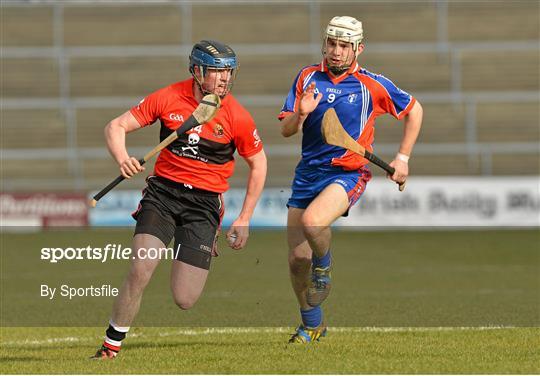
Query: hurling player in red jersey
<point>329,180</point>
<point>183,196</point>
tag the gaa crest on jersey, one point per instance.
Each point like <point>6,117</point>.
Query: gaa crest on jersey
<point>219,131</point>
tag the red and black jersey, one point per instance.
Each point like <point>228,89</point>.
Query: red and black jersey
<point>202,157</point>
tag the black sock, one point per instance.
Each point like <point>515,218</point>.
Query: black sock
<point>114,336</point>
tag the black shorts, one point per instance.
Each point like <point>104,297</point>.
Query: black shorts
<point>191,215</point>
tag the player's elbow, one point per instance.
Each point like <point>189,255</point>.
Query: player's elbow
<point>109,131</point>
<point>289,126</point>
<point>258,163</point>
<point>112,128</point>
<point>262,163</point>
<point>285,132</point>
<point>417,111</point>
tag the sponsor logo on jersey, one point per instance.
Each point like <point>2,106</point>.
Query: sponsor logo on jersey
<point>193,140</point>
<point>257,138</point>
<point>333,90</point>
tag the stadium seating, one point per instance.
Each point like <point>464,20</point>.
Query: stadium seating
<point>30,78</point>
<point>280,171</point>
<point>445,124</point>
<point>269,74</point>
<point>405,69</point>
<point>500,70</point>
<point>36,174</point>
<point>99,172</point>
<point>458,70</point>
<point>388,21</point>
<point>91,124</point>
<point>249,23</point>
<point>122,25</point>
<point>493,21</point>
<point>512,165</point>
<point>508,122</point>
<point>27,26</point>
<point>91,77</point>
<point>36,129</point>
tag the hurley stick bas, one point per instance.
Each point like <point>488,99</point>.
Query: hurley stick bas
<point>333,133</point>
<point>205,111</point>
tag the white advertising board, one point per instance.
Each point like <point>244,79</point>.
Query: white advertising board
<point>450,202</point>
<point>425,202</point>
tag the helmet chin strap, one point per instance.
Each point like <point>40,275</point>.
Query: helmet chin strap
<point>338,71</point>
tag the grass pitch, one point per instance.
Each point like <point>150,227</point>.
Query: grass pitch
<point>258,350</point>
<point>413,302</point>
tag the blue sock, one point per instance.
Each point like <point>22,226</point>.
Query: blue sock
<point>322,262</point>
<point>311,317</point>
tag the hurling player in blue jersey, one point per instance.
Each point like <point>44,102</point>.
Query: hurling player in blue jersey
<point>329,180</point>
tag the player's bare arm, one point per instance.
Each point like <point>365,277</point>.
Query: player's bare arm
<point>239,230</point>
<point>115,135</point>
<point>412,124</point>
<point>308,102</point>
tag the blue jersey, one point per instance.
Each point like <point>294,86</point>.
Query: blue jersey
<point>358,97</point>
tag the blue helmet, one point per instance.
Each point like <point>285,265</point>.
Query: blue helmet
<point>211,54</point>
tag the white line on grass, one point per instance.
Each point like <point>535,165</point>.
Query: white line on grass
<point>257,330</point>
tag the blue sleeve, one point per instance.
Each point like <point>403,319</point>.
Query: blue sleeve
<point>290,101</point>
<point>398,102</point>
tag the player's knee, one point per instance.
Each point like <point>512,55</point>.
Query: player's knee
<point>311,224</point>
<point>312,228</point>
<point>139,278</point>
<point>299,264</point>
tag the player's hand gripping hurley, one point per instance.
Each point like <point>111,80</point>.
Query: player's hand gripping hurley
<point>205,111</point>
<point>333,133</point>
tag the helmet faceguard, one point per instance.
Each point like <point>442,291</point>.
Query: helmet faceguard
<point>346,29</point>
<point>212,55</point>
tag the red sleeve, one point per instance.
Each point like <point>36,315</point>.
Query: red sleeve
<point>246,138</point>
<point>149,109</point>
<point>283,114</point>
